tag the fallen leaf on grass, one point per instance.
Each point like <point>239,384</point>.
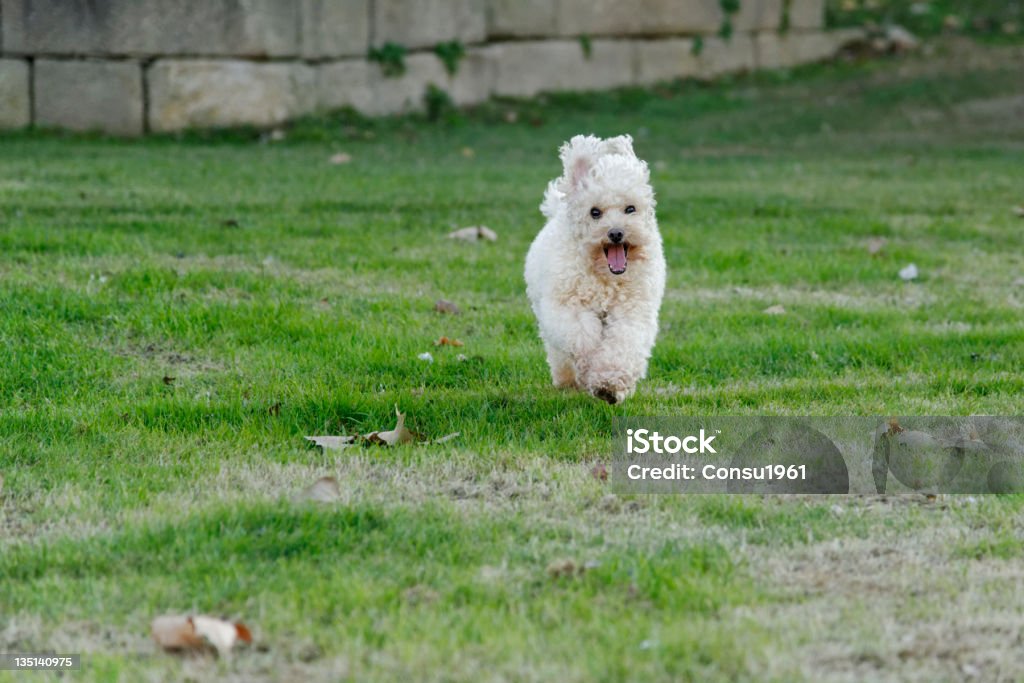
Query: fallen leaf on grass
<point>474,233</point>
<point>340,158</point>
<point>445,341</point>
<point>445,306</point>
<point>909,273</point>
<point>599,472</point>
<point>332,443</point>
<point>777,309</point>
<point>467,152</point>
<point>564,568</point>
<point>392,437</point>
<point>876,244</point>
<point>323,490</point>
<point>184,633</point>
<point>443,439</point>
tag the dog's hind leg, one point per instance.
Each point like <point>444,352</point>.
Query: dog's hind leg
<point>563,375</point>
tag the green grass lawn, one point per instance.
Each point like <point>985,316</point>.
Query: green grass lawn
<point>176,314</point>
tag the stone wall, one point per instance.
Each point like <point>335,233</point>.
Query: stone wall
<point>131,66</point>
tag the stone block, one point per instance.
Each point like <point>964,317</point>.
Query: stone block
<point>521,18</point>
<point>363,86</point>
<point>523,69</point>
<point>666,60</point>
<point>345,83</point>
<point>474,81</point>
<point>15,106</point>
<point>404,93</point>
<point>250,28</point>
<point>758,15</point>
<point>792,49</point>
<point>721,56</point>
<point>806,14</point>
<point>335,28</point>
<point>89,95</point>
<point>425,23</point>
<point>203,93</point>
<point>640,17</point>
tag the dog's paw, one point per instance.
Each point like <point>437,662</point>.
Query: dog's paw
<point>609,395</point>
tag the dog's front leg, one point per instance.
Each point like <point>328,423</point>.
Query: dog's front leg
<point>619,360</point>
<point>570,333</point>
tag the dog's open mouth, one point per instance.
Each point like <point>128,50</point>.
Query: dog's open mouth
<point>616,255</point>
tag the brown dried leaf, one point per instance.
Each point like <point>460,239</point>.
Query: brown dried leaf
<point>443,439</point>
<point>394,437</point>
<point>599,472</point>
<point>445,306</point>
<point>564,568</point>
<point>474,233</point>
<point>445,341</point>
<point>332,443</point>
<point>179,633</point>
<point>176,633</point>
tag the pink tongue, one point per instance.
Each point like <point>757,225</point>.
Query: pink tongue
<point>617,257</point>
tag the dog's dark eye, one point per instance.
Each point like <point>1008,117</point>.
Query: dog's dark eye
<point>630,209</point>
<point>595,213</point>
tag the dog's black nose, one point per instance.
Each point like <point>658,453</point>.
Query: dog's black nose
<point>615,235</point>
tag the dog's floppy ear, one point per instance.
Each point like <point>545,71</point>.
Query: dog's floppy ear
<point>578,156</point>
<point>622,144</point>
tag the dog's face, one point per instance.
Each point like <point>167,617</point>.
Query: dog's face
<point>610,203</point>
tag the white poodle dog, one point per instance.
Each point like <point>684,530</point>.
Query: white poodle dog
<point>595,274</point>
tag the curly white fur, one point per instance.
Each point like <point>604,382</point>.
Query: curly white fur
<point>598,327</point>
